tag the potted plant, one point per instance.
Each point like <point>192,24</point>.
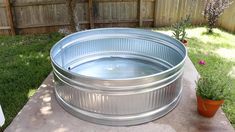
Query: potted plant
<point>179,30</point>
<point>211,92</point>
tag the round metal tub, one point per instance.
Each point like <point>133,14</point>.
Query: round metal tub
<point>118,76</point>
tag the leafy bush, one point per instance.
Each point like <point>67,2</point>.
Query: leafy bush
<point>180,27</point>
<point>213,9</point>
<point>213,87</point>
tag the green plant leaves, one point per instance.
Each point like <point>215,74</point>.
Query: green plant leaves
<point>213,87</point>
<point>180,27</point>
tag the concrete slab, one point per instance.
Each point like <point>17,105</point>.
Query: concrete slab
<point>43,114</point>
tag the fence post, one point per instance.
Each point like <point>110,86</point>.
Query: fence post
<point>91,13</point>
<point>155,13</point>
<point>71,5</point>
<point>140,13</point>
<point>10,16</point>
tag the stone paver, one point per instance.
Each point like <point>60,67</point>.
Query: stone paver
<point>42,113</point>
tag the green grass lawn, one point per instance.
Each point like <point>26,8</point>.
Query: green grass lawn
<point>218,50</point>
<point>24,64</point>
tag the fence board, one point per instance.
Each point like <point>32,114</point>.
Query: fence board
<point>3,20</point>
<point>81,12</point>
<point>227,19</point>
<point>43,16</point>
<point>91,13</point>
<point>9,16</point>
<point>140,12</point>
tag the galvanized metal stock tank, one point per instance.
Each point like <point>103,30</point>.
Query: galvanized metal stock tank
<point>118,76</point>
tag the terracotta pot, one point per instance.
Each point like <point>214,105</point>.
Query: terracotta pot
<point>185,42</point>
<point>208,107</point>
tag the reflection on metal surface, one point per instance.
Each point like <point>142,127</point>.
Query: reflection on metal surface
<point>118,76</point>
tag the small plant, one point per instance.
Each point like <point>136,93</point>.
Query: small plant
<point>180,27</point>
<point>213,87</point>
<point>211,92</point>
<point>213,9</point>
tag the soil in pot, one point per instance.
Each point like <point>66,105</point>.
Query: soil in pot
<point>208,107</point>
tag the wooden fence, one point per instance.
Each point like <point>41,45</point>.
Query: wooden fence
<point>43,16</point>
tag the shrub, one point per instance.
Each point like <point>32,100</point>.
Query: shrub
<point>180,27</point>
<point>213,9</point>
<point>213,87</point>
